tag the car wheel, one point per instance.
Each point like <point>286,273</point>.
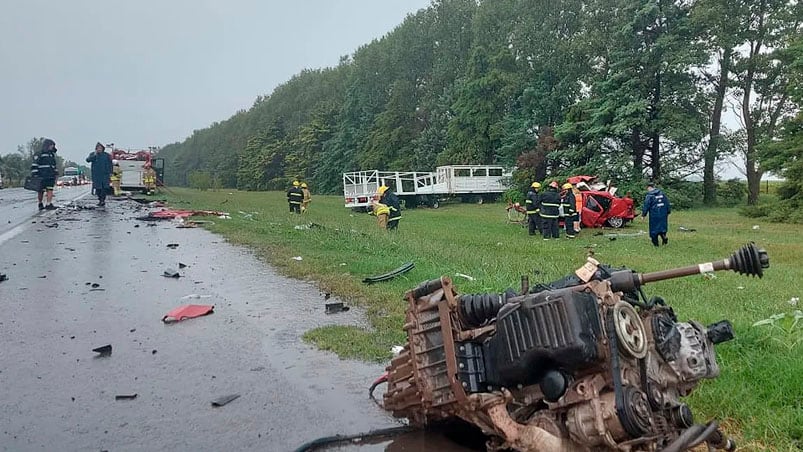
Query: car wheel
<point>436,204</point>
<point>616,222</point>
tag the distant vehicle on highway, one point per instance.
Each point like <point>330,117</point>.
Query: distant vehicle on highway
<point>1,181</point>
<point>67,181</point>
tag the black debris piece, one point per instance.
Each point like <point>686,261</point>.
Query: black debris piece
<point>153,352</point>
<point>171,273</point>
<point>390,275</point>
<point>132,330</point>
<point>3,277</point>
<point>223,400</point>
<point>125,396</point>
<point>43,277</point>
<point>172,246</point>
<point>136,225</point>
<point>332,308</point>
<point>95,285</point>
<point>181,265</point>
<point>105,350</point>
<point>327,295</point>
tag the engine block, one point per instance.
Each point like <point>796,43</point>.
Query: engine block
<point>584,363</point>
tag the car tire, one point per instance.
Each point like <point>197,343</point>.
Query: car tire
<point>616,222</point>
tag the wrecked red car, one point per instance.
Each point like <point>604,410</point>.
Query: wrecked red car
<point>600,206</point>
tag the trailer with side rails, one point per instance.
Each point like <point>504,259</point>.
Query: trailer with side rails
<point>469,183</point>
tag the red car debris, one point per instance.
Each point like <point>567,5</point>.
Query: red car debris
<point>600,206</point>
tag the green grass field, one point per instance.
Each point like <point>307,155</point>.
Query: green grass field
<point>760,392</point>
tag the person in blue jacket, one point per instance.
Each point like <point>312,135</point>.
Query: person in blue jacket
<point>657,205</point>
<point>101,172</point>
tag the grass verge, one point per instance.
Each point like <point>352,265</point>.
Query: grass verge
<point>760,391</point>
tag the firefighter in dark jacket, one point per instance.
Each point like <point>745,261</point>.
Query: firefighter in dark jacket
<point>388,198</point>
<point>568,204</point>
<point>533,205</point>
<point>44,166</point>
<point>550,210</point>
<point>295,197</point>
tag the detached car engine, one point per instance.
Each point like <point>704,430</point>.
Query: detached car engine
<point>583,363</point>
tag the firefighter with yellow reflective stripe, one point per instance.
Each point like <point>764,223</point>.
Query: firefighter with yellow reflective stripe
<point>388,198</point>
<point>116,177</point>
<point>295,197</point>
<point>550,210</point>
<point>307,197</point>
<point>568,205</point>
<point>533,205</point>
<point>381,211</point>
<point>149,178</point>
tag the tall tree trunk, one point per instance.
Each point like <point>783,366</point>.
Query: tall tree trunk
<point>638,153</point>
<point>655,136</point>
<point>712,150</point>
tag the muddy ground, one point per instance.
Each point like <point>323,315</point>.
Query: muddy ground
<point>59,395</point>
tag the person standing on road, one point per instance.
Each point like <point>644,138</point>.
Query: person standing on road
<point>550,210</point>
<point>388,198</point>
<point>533,205</point>
<point>101,172</point>
<point>657,205</point>
<point>44,166</point>
<point>307,197</point>
<point>117,176</point>
<point>568,203</point>
<point>295,197</point>
<point>149,179</point>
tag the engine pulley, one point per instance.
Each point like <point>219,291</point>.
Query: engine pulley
<point>630,330</point>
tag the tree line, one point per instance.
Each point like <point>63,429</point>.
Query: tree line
<point>624,89</point>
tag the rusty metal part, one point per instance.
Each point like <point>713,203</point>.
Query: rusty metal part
<point>593,374</point>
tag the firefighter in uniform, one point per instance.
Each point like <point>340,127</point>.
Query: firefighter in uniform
<point>533,205</point>
<point>149,179</point>
<point>116,177</point>
<point>295,197</point>
<point>568,203</point>
<point>550,210</point>
<point>381,211</point>
<point>388,198</point>
<point>307,197</point>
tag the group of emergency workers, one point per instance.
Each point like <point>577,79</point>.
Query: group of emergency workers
<point>148,178</point>
<point>545,208</point>
<point>299,197</point>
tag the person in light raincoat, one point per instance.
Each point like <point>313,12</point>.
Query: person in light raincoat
<point>657,205</point>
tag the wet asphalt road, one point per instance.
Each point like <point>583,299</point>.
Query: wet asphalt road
<point>55,394</point>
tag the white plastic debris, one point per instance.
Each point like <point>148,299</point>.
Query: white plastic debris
<point>709,276</point>
<point>301,227</point>
<point>740,287</point>
<point>470,278</point>
<point>342,264</point>
<point>224,217</point>
<point>195,296</point>
<point>297,258</point>
<point>794,301</point>
<point>756,227</point>
<point>396,350</point>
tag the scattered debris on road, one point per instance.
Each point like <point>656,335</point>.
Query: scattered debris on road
<point>223,400</point>
<point>181,265</point>
<point>125,396</point>
<point>187,311</point>
<point>390,275</point>
<point>105,350</point>
<point>171,273</point>
<point>172,246</point>
<point>3,277</point>
<point>333,308</point>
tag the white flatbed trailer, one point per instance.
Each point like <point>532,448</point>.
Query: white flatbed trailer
<point>420,187</point>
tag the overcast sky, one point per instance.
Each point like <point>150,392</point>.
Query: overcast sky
<point>148,72</point>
